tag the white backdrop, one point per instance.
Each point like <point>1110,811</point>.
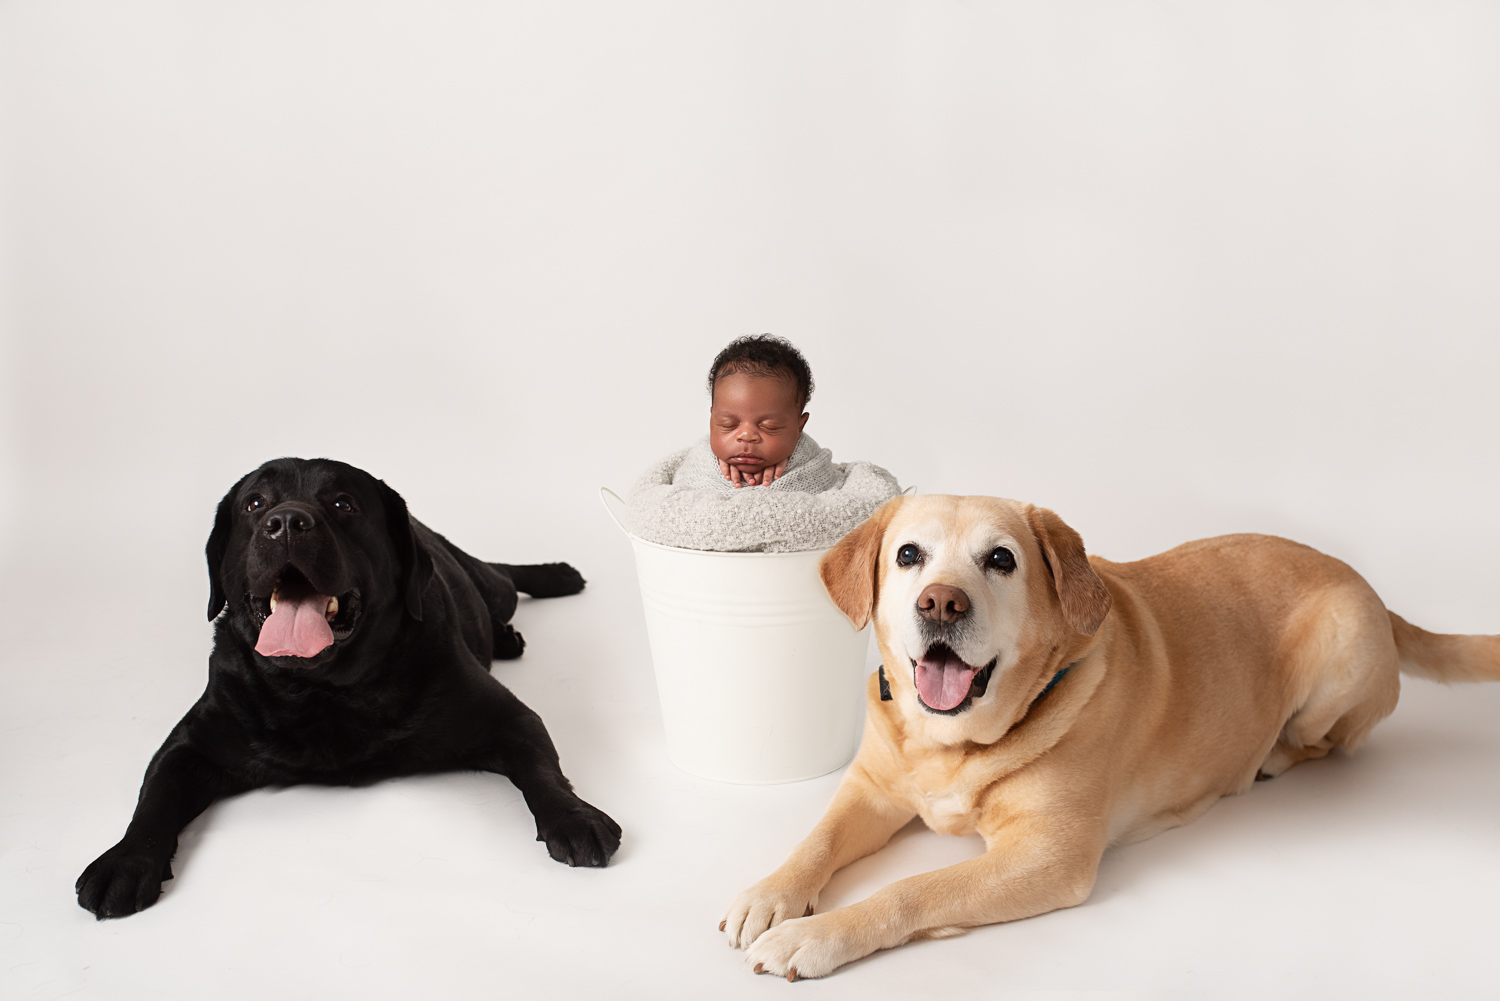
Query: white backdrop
<point>1170,269</point>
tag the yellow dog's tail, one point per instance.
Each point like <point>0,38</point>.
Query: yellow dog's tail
<point>1445,657</point>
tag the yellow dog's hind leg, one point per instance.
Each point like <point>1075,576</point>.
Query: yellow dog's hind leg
<point>1342,671</point>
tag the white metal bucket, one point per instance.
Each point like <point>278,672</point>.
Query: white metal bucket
<point>761,677</point>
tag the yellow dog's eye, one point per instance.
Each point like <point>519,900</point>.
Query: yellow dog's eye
<point>907,555</point>
<point>1001,559</point>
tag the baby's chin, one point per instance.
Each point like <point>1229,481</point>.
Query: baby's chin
<point>750,467</point>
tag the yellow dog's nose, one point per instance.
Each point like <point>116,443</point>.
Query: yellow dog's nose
<point>942,603</point>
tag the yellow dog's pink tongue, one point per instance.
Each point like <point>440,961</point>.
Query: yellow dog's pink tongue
<point>942,679</point>
<point>297,628</point>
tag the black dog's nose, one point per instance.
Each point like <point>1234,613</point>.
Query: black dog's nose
<point>942,603</point>
<point>285,519</point>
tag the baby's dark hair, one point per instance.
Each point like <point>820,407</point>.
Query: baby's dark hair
<point>763,354</point>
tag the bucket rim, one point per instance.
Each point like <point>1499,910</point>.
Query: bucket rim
<point>710,552</point>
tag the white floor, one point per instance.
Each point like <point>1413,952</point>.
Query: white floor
<point>1371,874</point>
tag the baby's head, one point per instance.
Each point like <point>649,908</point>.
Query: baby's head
<point>758,387</point>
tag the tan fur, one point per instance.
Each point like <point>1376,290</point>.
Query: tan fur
<point>1192,672</point>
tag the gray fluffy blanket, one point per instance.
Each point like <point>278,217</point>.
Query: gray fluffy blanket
<point>684,501</point>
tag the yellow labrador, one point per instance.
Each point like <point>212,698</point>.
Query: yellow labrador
<point>1059,704</point>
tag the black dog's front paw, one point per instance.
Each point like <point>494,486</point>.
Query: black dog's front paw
<point>580,836</point>
<point>508,643</point>
<point>122,881</point>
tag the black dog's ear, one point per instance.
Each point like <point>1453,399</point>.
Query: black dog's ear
<point>218,544</point>
<point>416,561</point>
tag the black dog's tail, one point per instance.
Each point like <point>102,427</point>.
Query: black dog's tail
<point>543,580</point>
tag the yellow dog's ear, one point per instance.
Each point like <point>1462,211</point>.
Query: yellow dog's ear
<point>850,570</point>
<point>1085,600</point>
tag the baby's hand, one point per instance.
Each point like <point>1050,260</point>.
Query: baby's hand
<point>739,478</point>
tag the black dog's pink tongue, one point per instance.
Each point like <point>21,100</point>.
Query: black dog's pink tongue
<point>297,628</point>
<point>942,679</point>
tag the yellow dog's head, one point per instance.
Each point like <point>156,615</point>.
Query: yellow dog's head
<point>976,602</point>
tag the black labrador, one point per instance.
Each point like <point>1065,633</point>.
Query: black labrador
<point>354,645</point>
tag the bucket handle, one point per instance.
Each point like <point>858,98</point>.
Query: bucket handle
<point>610,510</point>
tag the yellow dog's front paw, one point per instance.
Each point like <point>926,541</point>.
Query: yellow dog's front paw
<point>805,948</point>
<point>765,905</point>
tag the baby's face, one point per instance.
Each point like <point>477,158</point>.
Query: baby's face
<point>754,421</point>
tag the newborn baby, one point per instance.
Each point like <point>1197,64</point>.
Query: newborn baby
<point>701,498</point>
<point>755,422</point>
<point>757,388</point>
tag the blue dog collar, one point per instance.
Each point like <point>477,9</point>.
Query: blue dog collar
<point>1052,684</point>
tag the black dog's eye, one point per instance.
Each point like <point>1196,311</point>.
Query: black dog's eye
<point>1001,559</point>
<point>344,503</point>
<point>255,503</point>
<point>907,555</point>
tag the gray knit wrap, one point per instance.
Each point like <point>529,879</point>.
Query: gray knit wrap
<point>684,501</point>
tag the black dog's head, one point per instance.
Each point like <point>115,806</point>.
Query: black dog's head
<point>307,554</point>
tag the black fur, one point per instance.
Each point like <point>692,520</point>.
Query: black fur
<point>405,687</point>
